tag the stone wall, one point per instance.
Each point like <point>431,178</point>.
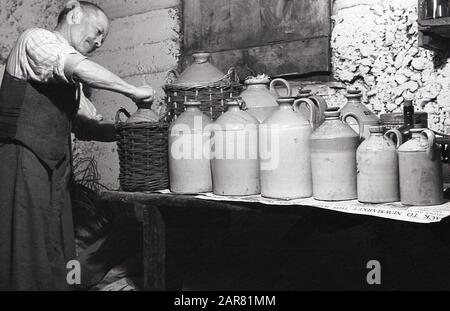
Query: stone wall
<point>375,47</point>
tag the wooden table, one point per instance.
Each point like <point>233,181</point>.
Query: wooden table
<point>394,239</point>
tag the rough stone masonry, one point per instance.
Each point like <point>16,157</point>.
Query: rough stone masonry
<point>375,47</point>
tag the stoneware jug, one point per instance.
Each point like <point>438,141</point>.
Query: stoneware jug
<point>320,106</point>
<point>144,113</point>
<point>190,151</point>
<point>333,159</point>
<point>355,107</point>
<point>377,167</point>
<point>260,96</point>
<point>285,161</point>
<point>199,72</point>
<point>420,169</point>
<point>235,163</point>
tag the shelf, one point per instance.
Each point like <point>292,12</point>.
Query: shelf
<point>434,34</point>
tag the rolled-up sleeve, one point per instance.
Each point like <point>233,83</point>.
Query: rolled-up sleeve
<point>43,56</point>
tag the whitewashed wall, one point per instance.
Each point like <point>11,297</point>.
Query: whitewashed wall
<point>142,45</point>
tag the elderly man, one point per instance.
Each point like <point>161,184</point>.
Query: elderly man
<point>39,100</point>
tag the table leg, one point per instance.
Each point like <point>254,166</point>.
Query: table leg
<point>154,249</point>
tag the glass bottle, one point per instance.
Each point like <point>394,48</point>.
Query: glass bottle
<point>408,120</point>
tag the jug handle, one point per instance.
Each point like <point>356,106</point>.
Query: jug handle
<point>282,81</point>
<point>431,138</point>
<point>174,72</point>
<point>360,125</point>
<point>321,106</point>
<point>120,111</point>
<point>321,102</point>
<point>312,109</point>
<point>397,134</point>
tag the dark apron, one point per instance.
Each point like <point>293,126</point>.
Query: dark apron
<point>36,227</point>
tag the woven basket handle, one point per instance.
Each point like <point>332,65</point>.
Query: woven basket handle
<point>124,111</point>
<point>232,75</point>
<point>168,73</point>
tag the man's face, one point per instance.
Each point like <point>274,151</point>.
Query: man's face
<point>89,35</point>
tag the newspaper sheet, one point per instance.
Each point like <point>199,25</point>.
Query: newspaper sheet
<point>396,211</point>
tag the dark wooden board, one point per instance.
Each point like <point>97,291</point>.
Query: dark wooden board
<point>154,248</point>
<point>433,33</point>
<point>263,36</point>
<point>290,58</point>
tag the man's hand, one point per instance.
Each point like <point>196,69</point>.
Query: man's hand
<point>143,94</point>
<point>87,109</point>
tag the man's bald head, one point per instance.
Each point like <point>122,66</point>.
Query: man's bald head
<point>87,7</point>
<point>84,25</point>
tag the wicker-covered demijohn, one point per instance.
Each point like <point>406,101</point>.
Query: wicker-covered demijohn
<point>143,158</point>
<point>212,92</point>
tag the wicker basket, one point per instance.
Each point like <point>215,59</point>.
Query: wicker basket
<point>143,158</point>
<point>211,95</point>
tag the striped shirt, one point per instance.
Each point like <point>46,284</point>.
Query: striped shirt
<point>41,55</point>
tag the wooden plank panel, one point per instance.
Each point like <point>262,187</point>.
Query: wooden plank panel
<point>154,249</point>
<point>245,23</point>
<point>216,22</point>
<point>287,20</point>
<point>270,36</point>
<point>296,57</point>
<point>233,24</point>
<point>208,25</point>
<point>192,25</point>
<point>120,8</point>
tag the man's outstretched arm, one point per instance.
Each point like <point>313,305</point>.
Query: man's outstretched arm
<point>99,77</point>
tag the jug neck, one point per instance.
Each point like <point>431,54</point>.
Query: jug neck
<point>201,58</point>
<point>285,103</point>
<point>415,135</point>
<point>192,108</point>
<point>285,106</point>
<point>376,134</point>
<point>331,118</point>
<point>354,101</point>
<point>257,85</point>
<point>332,114</point>
<point>192,105</point>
